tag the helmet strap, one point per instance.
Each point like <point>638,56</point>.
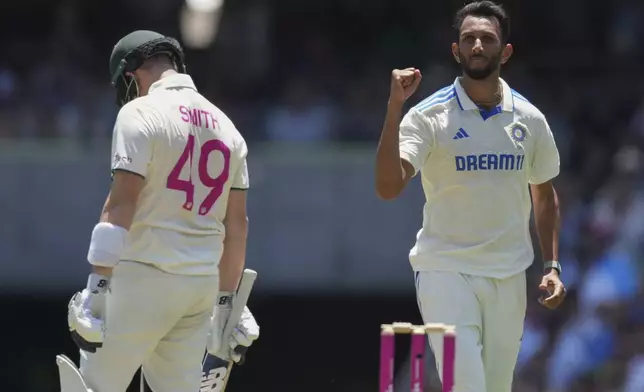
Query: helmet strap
<point>129,90</point>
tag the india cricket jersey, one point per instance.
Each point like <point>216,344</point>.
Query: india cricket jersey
<point>475,167</point>
<point>191,156</point>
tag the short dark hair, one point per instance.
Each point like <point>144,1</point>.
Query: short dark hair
<point>484,9</point>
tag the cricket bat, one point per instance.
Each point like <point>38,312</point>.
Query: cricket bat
<point>216,371</point>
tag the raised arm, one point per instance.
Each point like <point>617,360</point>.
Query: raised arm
<point>403,145</point>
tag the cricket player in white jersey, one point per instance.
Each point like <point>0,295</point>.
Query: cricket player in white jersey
<point>170,245</point>
<point>481,149</point>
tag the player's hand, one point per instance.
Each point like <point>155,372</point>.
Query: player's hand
<point>246,331</point>
<point>404,83</point>
<point>85,314</point>
<point>555,289</point>
<point>244,334</point>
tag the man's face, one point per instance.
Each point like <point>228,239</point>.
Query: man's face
<point>480,51</point>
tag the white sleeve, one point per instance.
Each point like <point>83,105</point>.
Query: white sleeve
<point>545,158</point>
<point>131,141</point>
<point>415,139</point>
<point>241,180</point>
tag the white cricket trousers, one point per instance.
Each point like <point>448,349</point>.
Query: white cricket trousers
<point>156,320</point>
<point>488,314</point>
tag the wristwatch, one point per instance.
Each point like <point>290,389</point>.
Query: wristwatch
<point>552,264</point>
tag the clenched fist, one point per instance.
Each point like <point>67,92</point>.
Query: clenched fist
<point>404,83</point>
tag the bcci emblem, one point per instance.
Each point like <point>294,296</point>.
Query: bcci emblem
<point>518,132</point>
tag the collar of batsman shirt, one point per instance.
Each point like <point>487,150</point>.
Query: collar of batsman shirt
<point>175,81</point>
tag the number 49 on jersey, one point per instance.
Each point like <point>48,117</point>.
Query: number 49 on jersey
<point>216,185</point>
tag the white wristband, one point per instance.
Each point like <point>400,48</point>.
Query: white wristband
<point>225,299</point>
<point>107,244</point>
<point>97,283</point>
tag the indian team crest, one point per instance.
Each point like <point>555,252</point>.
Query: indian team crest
<point>518,132</point>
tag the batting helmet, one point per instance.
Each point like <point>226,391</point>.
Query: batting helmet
<point>131,52</point>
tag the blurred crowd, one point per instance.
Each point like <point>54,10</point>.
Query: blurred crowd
<point>319,72</point>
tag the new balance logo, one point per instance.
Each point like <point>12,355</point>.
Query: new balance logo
<point>461,134</point>
<point>214,381</point>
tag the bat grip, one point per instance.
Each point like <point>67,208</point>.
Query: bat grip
<point>241,299</point>
<point>241,350</point>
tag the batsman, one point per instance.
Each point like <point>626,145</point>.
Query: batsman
<point>169,250</point>
<point>486,158</point>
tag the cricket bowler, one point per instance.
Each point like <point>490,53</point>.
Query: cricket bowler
<point>171,241</point>
<point>482,150</point>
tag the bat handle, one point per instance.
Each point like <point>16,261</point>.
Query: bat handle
<point>241,350</point>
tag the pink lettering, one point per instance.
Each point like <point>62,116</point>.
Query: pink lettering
<point>184,113</point>
<point>194,117</point>
<point>205,113</point>
<point>198,117</point>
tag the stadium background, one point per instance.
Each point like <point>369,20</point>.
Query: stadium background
<point>307,82</point>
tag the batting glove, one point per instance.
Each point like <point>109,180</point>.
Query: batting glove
<point>85,314</point>
<point>244,334</point>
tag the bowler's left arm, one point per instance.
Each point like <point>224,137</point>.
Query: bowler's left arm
<point>544,167</point>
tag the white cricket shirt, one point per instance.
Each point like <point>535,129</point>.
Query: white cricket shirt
<point>475,168</point>
<point>191,156</point>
